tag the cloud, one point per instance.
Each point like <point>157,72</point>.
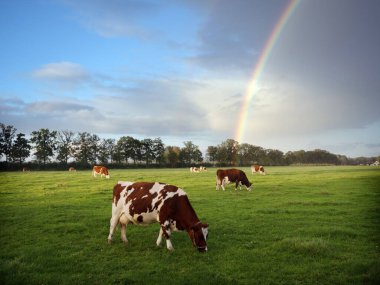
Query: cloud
<point>233,35</point>
<point>56,108</point>
<point>152,108</point>
<point>65,73</point>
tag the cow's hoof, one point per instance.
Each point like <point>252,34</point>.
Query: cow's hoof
<point>109,241</point>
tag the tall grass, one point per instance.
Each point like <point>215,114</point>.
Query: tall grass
<point>300,225</point>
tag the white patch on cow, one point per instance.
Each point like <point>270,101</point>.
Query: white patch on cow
<point>173,226</point>
<point>124,183</point>
<point>156,188</point>
<point>169,245</point>
<point>205,232</point>
<point>148,218</point>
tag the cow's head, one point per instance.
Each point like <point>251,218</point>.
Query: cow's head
<point>198,234</point>
<point>246,184</point>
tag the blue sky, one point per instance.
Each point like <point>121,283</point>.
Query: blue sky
<point>179,69</point>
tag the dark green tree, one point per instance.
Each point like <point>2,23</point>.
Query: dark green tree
<point>171,155</point>
<point>20,149</point>
<point>85,148</point>
<point>106,149</point>
<point>64,146</point>
<point>190,153</point>
<point>212,154</point>
<point>7,134</point>
<point>45,143</point>
<point>158,149</point>
<point>228,152</point>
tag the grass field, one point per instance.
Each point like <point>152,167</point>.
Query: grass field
<point>300,225</point>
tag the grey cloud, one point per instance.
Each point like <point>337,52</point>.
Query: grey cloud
<point>156,107</point>
<point>56,108</point>
<point>152,108</point>
<point>65,75</point>
<point>327,53</point>
<point>232,37</point>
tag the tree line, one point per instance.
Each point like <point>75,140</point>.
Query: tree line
<point>47,149</point>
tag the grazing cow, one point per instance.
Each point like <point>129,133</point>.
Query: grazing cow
<point>72,169</point>
<point>25,169</point>
<point>202,168</point>
<point>102,170</point>
<point>257,168</point>
<point>194,169</point>
<point>143,203</point>
<point>225,176</point>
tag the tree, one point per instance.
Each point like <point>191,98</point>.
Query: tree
<point>65,140</point>
<point>6,140</point>
<point>212,154</point>
<point>147,151</point>
<point>171,155</point>
<point>45,143</point>
<point>227,151</point>
<point>106,148</point>
<point>20,149</point>
<point>275,157</point>
<point>85,148</point>
<point>190,153</point>
<point>127,148</point>
<point>158,149</point>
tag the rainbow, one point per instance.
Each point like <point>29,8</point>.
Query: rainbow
<point>259,67</point>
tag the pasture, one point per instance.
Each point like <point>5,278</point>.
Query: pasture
<point>299,225</point>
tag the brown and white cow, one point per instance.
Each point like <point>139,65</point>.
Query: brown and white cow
<point>257,168</point>
<point>143,203</point>
<point>72,169</point>
<point>194,169</point>
<point>202,168</point>
<point>225,176</point>
<point>101,170</point>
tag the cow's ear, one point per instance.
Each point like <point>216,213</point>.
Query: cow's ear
<point>204,225</point>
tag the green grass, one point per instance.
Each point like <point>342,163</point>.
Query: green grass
<point>300,225</point>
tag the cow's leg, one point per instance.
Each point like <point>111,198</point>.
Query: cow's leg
<point>217,183</point>
<point>223,184</point>
<point>113,223</point>
<point>166,232</point>
<point>159,239</point>
<point>123,233</point>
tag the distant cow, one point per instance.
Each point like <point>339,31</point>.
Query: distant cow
<point>225,176</point>
<point>25,169</point>
<point>72,169</point>
<point>194,169</point>
<point>101,170</point>
<point>257,168</point>
<point>202,168</point>
<point>143,203</point>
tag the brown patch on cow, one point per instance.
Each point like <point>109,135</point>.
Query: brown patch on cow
<point>117,189</point>
<point>102,170</point>
<point>142,194</point>
<point>167,188</point>
<point>179,207</point>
